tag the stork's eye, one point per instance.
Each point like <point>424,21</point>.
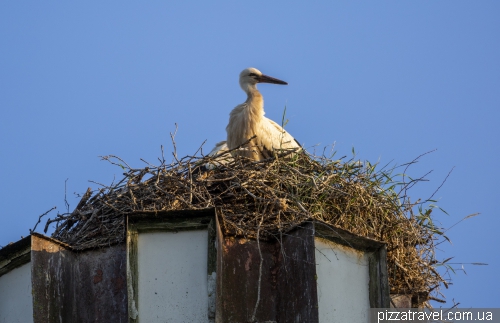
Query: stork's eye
<point>252,74</point>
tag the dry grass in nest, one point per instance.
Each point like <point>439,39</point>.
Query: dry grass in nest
<point>287,191</point>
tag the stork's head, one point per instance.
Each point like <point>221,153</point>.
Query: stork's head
<point>249,77</point>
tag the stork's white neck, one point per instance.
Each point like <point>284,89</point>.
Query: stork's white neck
<point>248,87</point>
<point>244,120</point>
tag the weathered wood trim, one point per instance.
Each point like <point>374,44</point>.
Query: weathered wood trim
<point>384,278</point>
<point>211,270</point>
<point>132,278</point>
<point>379,283</point>
<point>166,221</point>
<point>15,255</point>
<point>170,220</point>
<point>212,250</point>
<point>219,243</point>
<point>374,284</point>
<point>344,237</point>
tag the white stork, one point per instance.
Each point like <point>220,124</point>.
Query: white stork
<point>247,120</point>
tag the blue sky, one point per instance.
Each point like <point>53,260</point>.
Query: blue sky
<point>393,79</point>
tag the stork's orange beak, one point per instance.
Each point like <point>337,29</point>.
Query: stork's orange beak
<point>268,79</point>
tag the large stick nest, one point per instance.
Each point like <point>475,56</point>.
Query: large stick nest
<point>272,196</point>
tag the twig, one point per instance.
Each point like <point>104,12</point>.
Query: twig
<point>109,157</point>
<point>260,270</point>
<point>40,218</point>
<point>65,200</point>
<point>411,163</point>
<point>444,181</point>
<point>172,136</point>
<point>84,199</point>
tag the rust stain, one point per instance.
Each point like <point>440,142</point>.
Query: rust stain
<point>361,258</point>
<point>118,283</point>
<point>248,263</point>
<point>98,276</point>
<point>228,243</point>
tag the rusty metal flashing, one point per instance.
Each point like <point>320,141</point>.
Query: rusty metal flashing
<point>55,241</point>
<point>344,237</point>
<point>169,221</point>
<point>15,255</point>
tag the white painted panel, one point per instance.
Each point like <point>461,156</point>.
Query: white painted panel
<point>172,270</point>
<point>343,283</point>
<point>16,303</point>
